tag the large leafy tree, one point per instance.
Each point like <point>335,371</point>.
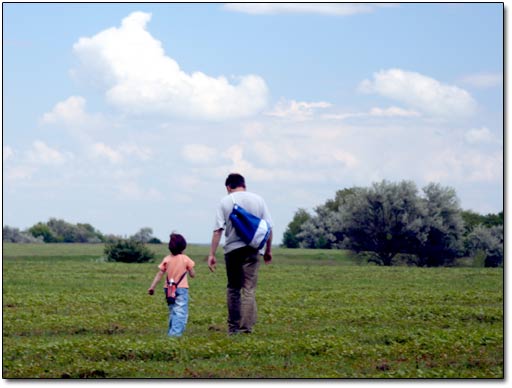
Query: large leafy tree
<point>386,219</point>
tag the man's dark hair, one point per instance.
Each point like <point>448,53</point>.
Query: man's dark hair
<point>177,244</point>
<point>235,180</point>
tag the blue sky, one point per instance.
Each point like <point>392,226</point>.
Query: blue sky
<point>132,115</point>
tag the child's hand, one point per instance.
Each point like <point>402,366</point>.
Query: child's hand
<point>151,291</point>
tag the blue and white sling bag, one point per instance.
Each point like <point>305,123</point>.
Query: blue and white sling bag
<point>253,230</point>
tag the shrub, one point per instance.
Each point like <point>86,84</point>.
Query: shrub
<point>14,235</point>
<point>488,242</point>
<point>128,251</point>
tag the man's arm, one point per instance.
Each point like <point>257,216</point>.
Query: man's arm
<point>212,261</point>
<point>267,256</point>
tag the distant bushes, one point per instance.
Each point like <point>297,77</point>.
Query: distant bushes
<point>128,251</point>
<point>60,231</point>
<point>14,235</point>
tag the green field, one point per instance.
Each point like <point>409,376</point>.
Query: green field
<point>67,313</point>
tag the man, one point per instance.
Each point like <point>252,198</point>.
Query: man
<point>242,261</point>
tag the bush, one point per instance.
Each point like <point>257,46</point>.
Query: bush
<point>14,235</point>
<point>128,251</point>
<point>488,242</point>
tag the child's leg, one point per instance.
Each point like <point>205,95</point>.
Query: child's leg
<point>178,313</point>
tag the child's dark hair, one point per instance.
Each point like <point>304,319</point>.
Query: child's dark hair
<point>177,244</point>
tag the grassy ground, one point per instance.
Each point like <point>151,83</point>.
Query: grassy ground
<point>66,313</point>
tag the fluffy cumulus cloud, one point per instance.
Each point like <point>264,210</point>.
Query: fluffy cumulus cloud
<point>140,78</point>
<point>421,92</point>
<point>72,113</point>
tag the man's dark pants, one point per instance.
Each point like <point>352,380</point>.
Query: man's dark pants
<point>242,269</point>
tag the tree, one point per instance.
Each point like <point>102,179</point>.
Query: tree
<point>56,230</point>
<point>472,219</point>
<point>489,241</point>
<point>385,219</point>
<point>444,225</point>
<point>41,230</point>
<point>14,235</point>
<point>143,235</point>
<point>91,235</point>
<point>290,236</point>
<point>322,231</point>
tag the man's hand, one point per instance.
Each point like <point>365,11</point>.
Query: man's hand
<point>267,256</point>
<point>212,263</point>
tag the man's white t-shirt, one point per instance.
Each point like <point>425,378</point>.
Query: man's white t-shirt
<point>250,202</point>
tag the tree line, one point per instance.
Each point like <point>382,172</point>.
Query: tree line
<point>389,221</point>
<point>60,231</point>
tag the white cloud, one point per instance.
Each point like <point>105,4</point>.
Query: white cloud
<point>121,153</point>
<point>32,160</point>
<point>19,173</point>
<point>276,154</point>
<point>132,191</point>
<point>199,153</point>
<point>472,167</point>
<point>297,110</point>
<point>393,111</point>
<point>41,153</point>
<point>71,113</point>
<point>421,92</point>
<point>339,9</point>
<point>484,80</point>
<point>7,153</point>
<point>135,151</point>
<point>346,158</point>
<point>479,135</point>
<point>104,151</point>
<point>141,79</point>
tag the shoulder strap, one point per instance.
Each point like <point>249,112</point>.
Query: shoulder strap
<point>232,198</point>
<point>181,278</point>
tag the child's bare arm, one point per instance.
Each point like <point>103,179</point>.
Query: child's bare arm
<point>158,277</point>
<point>192,272</point>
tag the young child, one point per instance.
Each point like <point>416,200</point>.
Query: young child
<point>176,266</point>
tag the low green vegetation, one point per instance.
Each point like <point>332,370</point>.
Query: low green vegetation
<point>128,251</point>
<point>68,313</point>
